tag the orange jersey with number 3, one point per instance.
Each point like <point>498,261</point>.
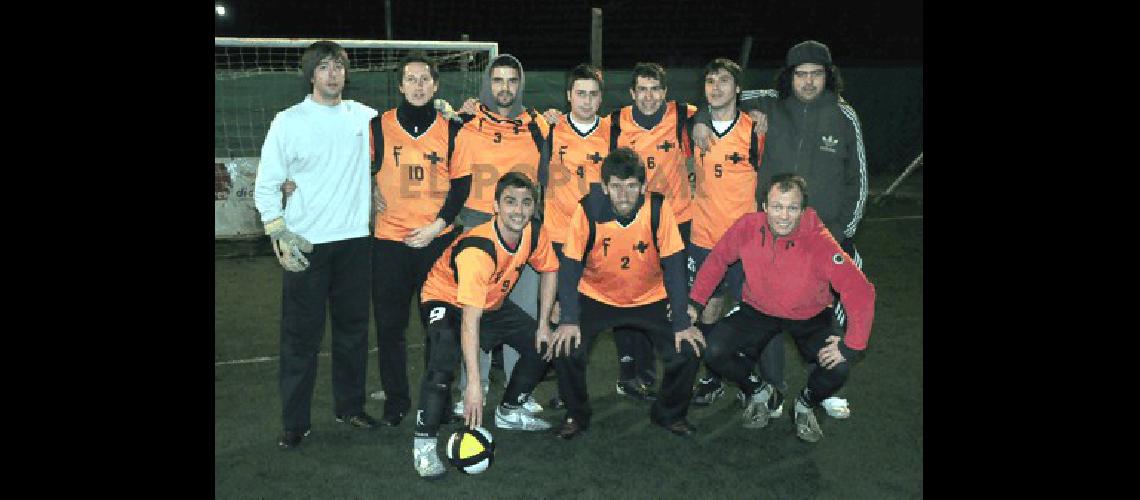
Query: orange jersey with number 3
<point>575,163</point>
<point>490,145</point>
<point>479,270</point>
<point>665,169</point>
<point>623,268</point>
<point>414,177</point>
<point>726,182</point>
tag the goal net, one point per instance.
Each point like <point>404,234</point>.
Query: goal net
<point>255,78</point>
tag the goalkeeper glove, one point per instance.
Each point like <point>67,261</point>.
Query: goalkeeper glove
<point>288,246</point>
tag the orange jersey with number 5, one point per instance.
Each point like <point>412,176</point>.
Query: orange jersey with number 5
<point>726,181</point>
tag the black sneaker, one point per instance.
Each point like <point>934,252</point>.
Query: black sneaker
<point>635,389</point>
<point>360,421</point>
<point>680,428</point>
<point>707,391</point>
<point>290,440</point>
<point>393,419</point>
<point>648,378</point>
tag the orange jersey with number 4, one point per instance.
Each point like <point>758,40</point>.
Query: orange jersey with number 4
<point>575,163</point>
<point>479,269</point>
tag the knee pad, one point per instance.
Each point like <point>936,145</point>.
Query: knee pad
<point>439,378</point>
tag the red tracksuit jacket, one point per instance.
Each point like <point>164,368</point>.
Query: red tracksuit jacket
<point>791,277</point>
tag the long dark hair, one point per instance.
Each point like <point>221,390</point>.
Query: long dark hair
<point>783,82</point>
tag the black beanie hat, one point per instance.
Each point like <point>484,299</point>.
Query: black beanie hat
<point>810,51</point>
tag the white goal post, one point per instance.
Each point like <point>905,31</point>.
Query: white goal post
<point>255,78</point>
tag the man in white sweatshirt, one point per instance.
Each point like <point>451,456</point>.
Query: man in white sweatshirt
<point>321,238</point>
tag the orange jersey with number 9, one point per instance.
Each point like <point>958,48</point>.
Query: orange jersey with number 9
<point>479,269</point>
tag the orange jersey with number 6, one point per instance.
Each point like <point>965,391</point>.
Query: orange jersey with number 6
<point>665,169</point>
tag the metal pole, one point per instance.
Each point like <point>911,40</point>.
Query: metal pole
<point>596,37</point>
<point>914,164</point>
<point>745,52</point>
<point>463,69</point>
<point>388,19</point>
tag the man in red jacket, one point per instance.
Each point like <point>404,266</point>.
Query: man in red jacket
<point>791,262</point>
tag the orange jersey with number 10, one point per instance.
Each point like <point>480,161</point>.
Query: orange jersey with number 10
<point>575,163</point>
<point>726,182</point>
<point>479,270</point>
<point>414,177</point>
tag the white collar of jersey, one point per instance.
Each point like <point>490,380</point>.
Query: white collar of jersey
<point>583,128</point>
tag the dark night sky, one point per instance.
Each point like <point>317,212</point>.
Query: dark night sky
<point>555,35</point>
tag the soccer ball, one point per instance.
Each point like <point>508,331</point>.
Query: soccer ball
<point>471,451</point>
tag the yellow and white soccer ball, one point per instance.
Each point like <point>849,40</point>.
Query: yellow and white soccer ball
<point>471,451</point>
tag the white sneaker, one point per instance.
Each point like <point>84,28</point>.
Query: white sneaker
<point>742,400</point>
<point>518,419</point>
<point>531,405</point>
<point>756,413</point>
<point>807,427</point>
<point>426,460</point>
<point>836,407</point>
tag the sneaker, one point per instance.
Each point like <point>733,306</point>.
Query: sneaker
<point>680,428</point>
<point>707,391</point>
<point>777,412</point>
<point>518,419</point>
<point>635,389</point>
<point>360,421</point>
<point>426,460</point>
<point>571,428</point>
<point>648,378</point>
<point>756,412</point>
<point>531,405</point>
<point>836,407</point>
<point>393,419</point>
<point>290,440</point>
<point>807,427</point>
